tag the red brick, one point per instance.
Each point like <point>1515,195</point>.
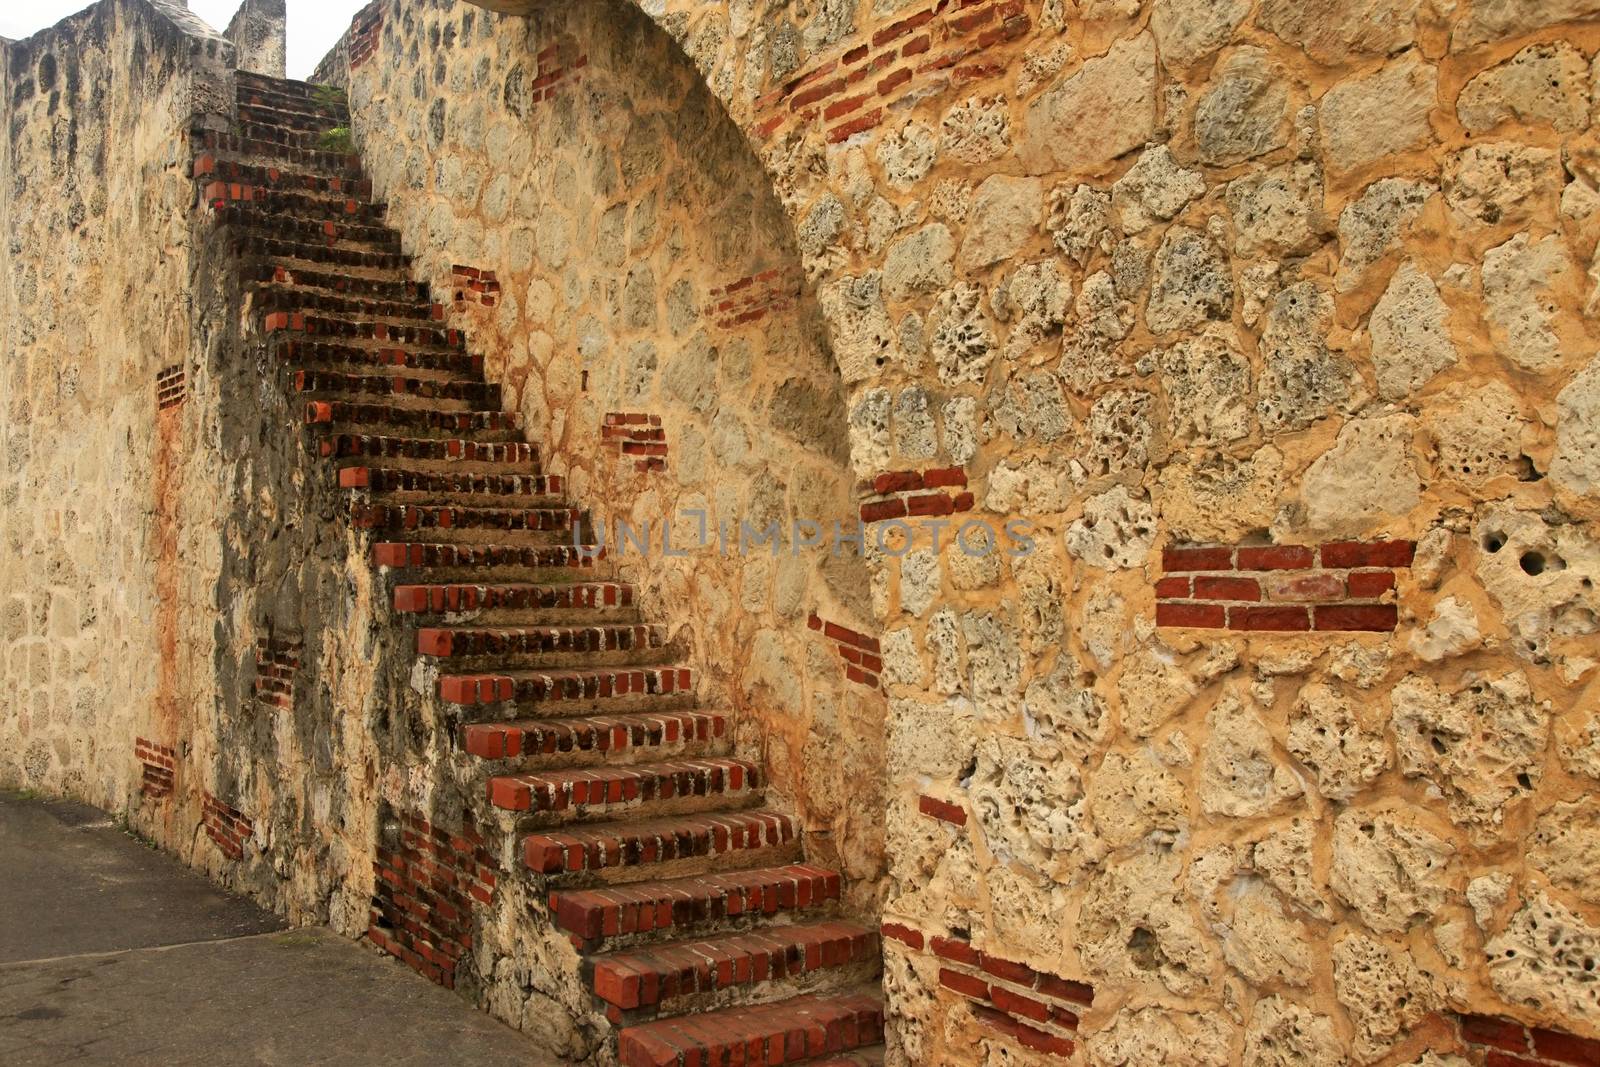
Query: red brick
<point>903,934</point>
<point>1368,553</point>
<point>950,948</point>
<point>1502,1033</point>
<point>878,510</point>
<point>930,504</point>
<point>1168,588</point>
<point>1197,559</point>
<point>1565,1048</point>
<point>1204,616</point>
<point>1367,617</point>
<point>856,125</point>
<point>1317,585</point>
<point>1497,1058</point>
<point>1226,589</point>
<point>942,810</point>
<point>890,82</point>
<point>1019,973</point>
<point>1017,1004</point>
<point>965,984</point>
<point>1371,583</point>
<point>1065,989</point>
<point>896,482</point>
<point>1274,557</point>
<point>842,107</point>
<point>944,477</point>
<point>1269,618</point>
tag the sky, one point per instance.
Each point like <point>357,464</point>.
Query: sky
<point>313,24</point>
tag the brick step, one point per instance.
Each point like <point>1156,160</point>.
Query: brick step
<point>332,105</point>
<point>294,203</point>
<point>653,976</point>
<point>274,297</point>
<point>452,524</point>
<point>355,330</point>
<point>628,913</point>
<point>240,147</point>
<point>562,597</point>
<point>787,1031</point>
<point>395,290</point>
<point>456,642</point>
<point>530,490</point>
<point>606,790</point>
<point>598,735</point>
<point>279,139</point>
<point>249,242</point>
<point>245,213</point>
<point>246,79</point>
<point>307,121</point>
<point>492,560</point>
<point>301,353</point>
<point>423,421</point>
<point>269,175</point>
<point>483,395</point>
<point>505,457</point>
<point>564,687</point>
<point>646,843</point>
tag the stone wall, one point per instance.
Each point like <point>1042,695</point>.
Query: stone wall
<point>258,32</point>
<point>1172,274</point>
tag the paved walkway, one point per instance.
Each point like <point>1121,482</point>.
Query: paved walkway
<point>112,953</point>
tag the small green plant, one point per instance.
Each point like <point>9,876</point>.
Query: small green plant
<point>327,98</point>
<point>338,140</point>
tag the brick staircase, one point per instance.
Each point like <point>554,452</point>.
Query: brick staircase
<point>705,936</point>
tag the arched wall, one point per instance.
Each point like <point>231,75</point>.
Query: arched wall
<point>1303,285</point>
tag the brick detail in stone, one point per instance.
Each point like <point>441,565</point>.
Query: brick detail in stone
<point>943,45</point>
<point>277,660</point>
<point>1338,586</point>
<point>559,65</point>
<point>917,494</point>
<point>425,893</point>
<point>638,436</point>
<point>474,286</point>
<point>943,810</point>
<point>1507,1043</point>
<point>752,299</point>
<point>366,31</point>
<point>861,654</point>
<point>226,826</point>
<point>171,389</point>
<point>159,765</point>
<point>1036,1010</point>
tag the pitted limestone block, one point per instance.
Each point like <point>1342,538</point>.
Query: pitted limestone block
<point>1478,433</point>
<point>1030,805</point>
<point>1135,927</point>
<point>1576,467</point>
<point>1156,687</point>
<point>1579,745</point>
<point>1040,578</point>
<point>919,263</point>
<point>863,335</point>
<point>1285,858</point>
<point>932,739</point>
<point>1241,776</point>
<point>821,226</point>
<point>1410,334</point>
<point>1522,280</point>
<point>1091,356</point>
<point>1383,991</point>
<point>1366,481</point>
<point>971,567</point>
<point>1103,625</point>
<point>1244,112</point>
<point>1207,382</point>
<point>1501,182</point>
<point>1005,214</point>
<point>1162,1035</point>
<point>1120,433</point>
<point>976,130</point>
<point>1544,961</point>
<point>1211,869</point>
<point>1035,299</point>
<point>1065,709</point>
<point>1188,31</point>
<point>910,982</point>
<point>1391,871</point>
<point>1079,221</point>
<point>1481,745</point>
<point>1154,190</point>
<point>1329,733</point>
<point>1278,212</point>
<point>1031,487</point>
<point>994,663</point>
<point>1103,110</point>
<point>1192,283</point>
<point>1261,942</point>
<point>1116,531</point>
<point>963,342</point>
<point>1041,65</point>
<point>907,154</point>
<point>1333,31</point>
<point>1302,380</point>
<point>1363,666</point>
<point>920,581</point>
<point>1542,84</point>
<point>1565,847</point>
<point>1029,408</point>
<point>1373,224</point>
<point>902,662</point>
<point>915,435</point>
<point>1130,264</point>
<point>1285,1034</point>
<point>1451,630</point>
<point>958,431</point>
<point>1369,116</point>
<point>1221,498</point>
<point>1132,796</point>
<point>1542,575</point>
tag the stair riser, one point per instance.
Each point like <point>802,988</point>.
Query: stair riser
<point>299,354</point>
<point>780,977</point>
<point>617,793</point>
<point>780,1034</point>
<point>479,600</point>
<point>586,857</point>
<point>485,690</point>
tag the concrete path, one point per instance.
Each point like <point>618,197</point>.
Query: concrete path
<point>112,953</point>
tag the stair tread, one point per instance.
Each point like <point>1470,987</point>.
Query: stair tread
<point>787,1031</point>
<point>574,683</point>
<point>544,488</point>
<point>478,555</point>
<point>449,641</point>
<point>593,847</point>
<point>454,597</point>
<point>431,449</point>
<point>600,732</point>
<point>643,907</point>
<point>413,357</point>
<point>607,786</point>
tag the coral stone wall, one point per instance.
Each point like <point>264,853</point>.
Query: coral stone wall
<point>1186,273</point>
<point>603,232</point>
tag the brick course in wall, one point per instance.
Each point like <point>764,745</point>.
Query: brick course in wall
<point>637,435</point>
<point>1507,1043</point>
<point>170,388</point>
<point>753,298</point>
<point>474,286</point>
<point>861,653</point>
<point>159,765</point>
<point>366,31</point>
<point>277,660</point>
<point>1338,586</point>
<point>913,494</point>
<point>426,891</point>
<point>226,826</point>
<point>1038,1011</point>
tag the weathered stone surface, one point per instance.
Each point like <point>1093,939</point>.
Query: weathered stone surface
<point>1544,960</point>
<point>1500,182</point>
<point>1370,116</point>
<point>1332,31</point>
<point>1542,575</point>
<point>1188,31</point>
<point>1134,925</point>
<point>1278,212</point>
<point>1372,225</point>
<point>1262,943</point>
<point>1285,1034</point>
<point>1078,220</point>
<point>1330,734</point>
<point>1154,190</point>
<point>1302,379</point>
<point>1494,20</point>
<point>977,130</point>
<point>1410,334</point>
<point>1160,1035</point>
<point>1005,213</point>
<point>1131,796</point>
<point>1576,466</point>
<point>1219,498</point>
<point>1285,858</point>
<point>1367,478</point>
<point>1207,382</point>
<point>1394,873</point>
<point>1451,630</point>
<point>1116,531</point>
<point>1245,113</point>
<point>1383,991</point>
<point>1191,285</point>
<point>1030,806</point>
<point>1478,433</point>
<point>1543,83</point>
<point>919,263</point>
<point>1240,774</point>
<point>1105,109</point>
<point>1565,847</point>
